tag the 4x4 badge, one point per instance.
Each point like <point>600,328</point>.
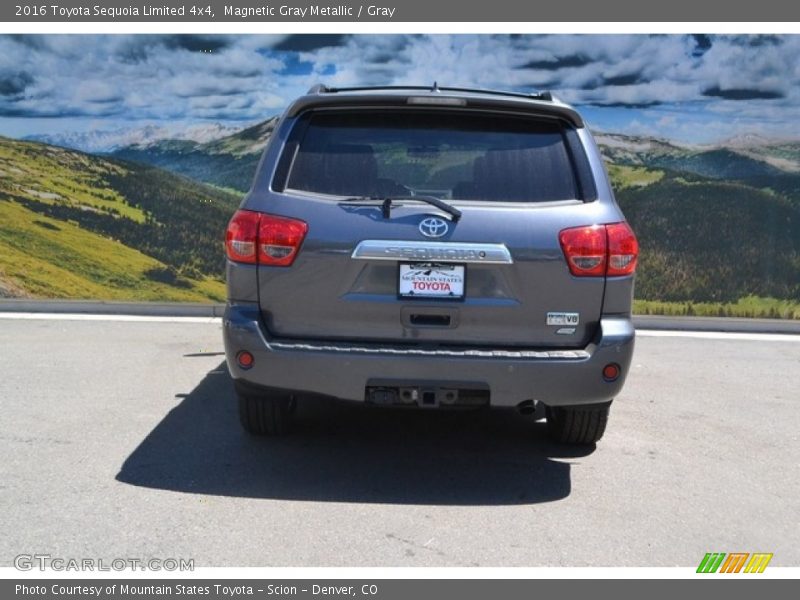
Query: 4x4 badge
<point>433,227</point>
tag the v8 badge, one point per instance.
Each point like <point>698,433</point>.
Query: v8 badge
<point>563,318</point>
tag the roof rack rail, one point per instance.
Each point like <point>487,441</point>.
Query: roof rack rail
<point>323,89</point>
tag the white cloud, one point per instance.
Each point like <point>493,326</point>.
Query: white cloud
<point>740,80</point>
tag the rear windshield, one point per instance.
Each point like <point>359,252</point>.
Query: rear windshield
<point>448,155</point>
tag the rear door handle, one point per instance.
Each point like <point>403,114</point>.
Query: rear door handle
<point>442,318</point>
<point>430,320</point>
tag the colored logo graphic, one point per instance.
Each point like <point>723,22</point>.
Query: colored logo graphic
<point>735,562</point>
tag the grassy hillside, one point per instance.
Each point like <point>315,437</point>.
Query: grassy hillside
<point>719,227</point>
<point>624,176</point>
<point>229,162</point>
<point>749,307</point>
<point>719,163</point>
<point>222,170</point>
<point>74,225</point>
<point>710,241</point>
<point>759,164</point>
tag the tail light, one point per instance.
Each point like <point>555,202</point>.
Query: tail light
<point>585,249</point>
<point>241,237</point>
<point>623,249</point>
<point>598,250</point>
<point>279,240</point>
<point>258,238</point>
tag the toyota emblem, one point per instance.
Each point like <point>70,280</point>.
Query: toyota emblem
<point>433,227</point>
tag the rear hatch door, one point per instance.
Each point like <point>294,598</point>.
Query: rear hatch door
<point>413,273</point>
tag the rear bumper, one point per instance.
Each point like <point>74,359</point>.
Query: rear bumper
<point>343,370</point>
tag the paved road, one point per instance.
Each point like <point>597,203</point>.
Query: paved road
<point>120,439</point>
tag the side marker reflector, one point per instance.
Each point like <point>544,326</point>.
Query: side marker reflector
<point>245,359</point>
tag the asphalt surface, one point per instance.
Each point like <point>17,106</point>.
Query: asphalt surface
<point>120,439</point>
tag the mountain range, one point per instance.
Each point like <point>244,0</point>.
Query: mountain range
<point>227,162</point>
<point>104,141</point>
<point>230,161</point>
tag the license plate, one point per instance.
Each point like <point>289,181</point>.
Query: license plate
<point>431,280</point>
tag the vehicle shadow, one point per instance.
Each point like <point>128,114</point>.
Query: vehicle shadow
<point>348,452</point>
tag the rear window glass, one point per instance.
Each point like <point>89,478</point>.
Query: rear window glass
<point>455,155</point>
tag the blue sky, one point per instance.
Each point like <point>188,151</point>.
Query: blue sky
<point>692,88</point>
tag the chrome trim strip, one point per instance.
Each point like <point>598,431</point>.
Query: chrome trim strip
<point>496,254</point>
<point>395,351</point>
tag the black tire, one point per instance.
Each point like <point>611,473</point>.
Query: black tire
<point>265,413</point>
<point>577,424</point>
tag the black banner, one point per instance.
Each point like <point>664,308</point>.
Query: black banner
<point>378,589</point>
<point>395,11</point>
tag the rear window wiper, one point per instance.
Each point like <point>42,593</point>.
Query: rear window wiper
<point>386,205</point>
<point>433,200</point>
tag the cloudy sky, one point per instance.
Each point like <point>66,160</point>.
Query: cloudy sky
<point>694,88</point>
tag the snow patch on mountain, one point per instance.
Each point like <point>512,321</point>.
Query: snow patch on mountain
<point>103,141</point>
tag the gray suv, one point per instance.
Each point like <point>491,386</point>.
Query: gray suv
<point>430,247</point>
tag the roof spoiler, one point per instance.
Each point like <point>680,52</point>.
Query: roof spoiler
<point>321,88</point>
<point>540,103</point>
